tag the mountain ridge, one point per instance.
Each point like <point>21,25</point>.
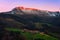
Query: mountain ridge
<point>32,11</point>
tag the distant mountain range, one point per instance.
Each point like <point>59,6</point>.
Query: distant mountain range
<point>32,19</point>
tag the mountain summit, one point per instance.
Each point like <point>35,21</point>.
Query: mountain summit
<point>23,11</point>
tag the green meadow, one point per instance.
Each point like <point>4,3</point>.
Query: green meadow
<point>31,36</point>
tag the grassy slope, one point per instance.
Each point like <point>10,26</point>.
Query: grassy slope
<point>30,36</point>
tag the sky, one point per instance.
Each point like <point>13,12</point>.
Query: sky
<point>50,5</point>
